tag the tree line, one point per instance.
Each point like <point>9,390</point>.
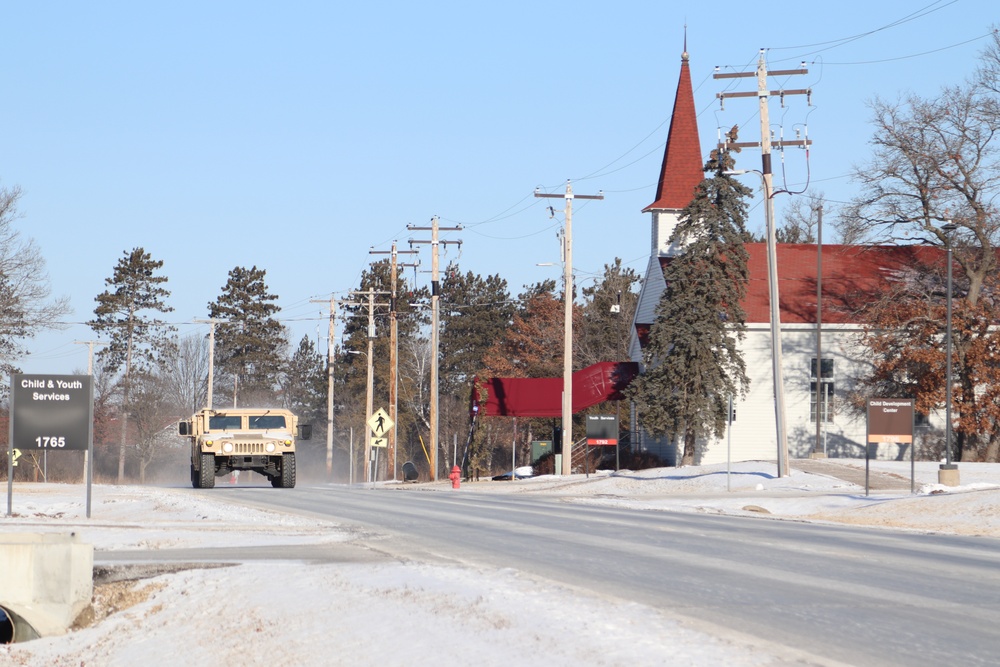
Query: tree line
<point>933,161</point>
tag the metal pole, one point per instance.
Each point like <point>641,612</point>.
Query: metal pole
<point>729,443</point>
<point>330,358</point>
<point>947,390</point>
<point>817,448</point>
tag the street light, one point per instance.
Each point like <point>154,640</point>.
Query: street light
<point>772,282</point>
<point>948,472</point>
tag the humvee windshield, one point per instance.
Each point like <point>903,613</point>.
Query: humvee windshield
<point>267,421</point>
<point>223,422</point>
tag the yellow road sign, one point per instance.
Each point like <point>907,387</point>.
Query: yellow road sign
<point>380,423</point>
<point>17,455</point>
<point>380,442</point>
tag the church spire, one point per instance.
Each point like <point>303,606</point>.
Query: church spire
<point>682,168</point>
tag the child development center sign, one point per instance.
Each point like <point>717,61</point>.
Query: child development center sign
<point>890,421</point>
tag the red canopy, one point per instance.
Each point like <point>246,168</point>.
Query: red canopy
<point>542,397</point>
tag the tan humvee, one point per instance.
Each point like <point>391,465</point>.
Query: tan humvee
<point>226,440</point>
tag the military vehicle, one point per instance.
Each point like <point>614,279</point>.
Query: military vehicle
<point>260,440</point>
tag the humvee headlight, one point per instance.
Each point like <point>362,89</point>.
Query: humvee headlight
<point>270,447</point>
<point>228,447</point>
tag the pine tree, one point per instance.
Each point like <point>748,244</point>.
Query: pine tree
<point>250,342</point>
<point>305,385</point>
<point>137,340</point>
<point>475,312</point>
<point>693,363</point>
<point>606,324</point>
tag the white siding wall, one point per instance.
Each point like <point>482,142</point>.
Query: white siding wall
<point>754,436</point>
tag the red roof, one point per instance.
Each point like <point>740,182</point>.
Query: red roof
<point>851,275</point>
<point>682,160</point>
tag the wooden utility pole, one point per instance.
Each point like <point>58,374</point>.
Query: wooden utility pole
<point>435,294</point>
<point>567,394</point>
<point>211,358</point>
<point>765,143</point>
<point>394,351</point>
<point>331,349</point>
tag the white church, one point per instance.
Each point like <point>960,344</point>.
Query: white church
<point>848,274</point>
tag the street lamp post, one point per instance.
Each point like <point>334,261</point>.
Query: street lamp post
<point>948,472</point>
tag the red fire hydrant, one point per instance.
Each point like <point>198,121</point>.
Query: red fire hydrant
<point>455,477</point>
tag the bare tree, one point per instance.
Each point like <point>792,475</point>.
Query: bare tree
<point>935,162</point>
<point>25,304</point>
<point>186,383</point>
<point>152,416</point>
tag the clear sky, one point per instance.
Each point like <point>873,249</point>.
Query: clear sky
<point>296,136</point>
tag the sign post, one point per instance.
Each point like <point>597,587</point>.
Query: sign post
<point>890,421</point>
<point>51,412</point>
<point>380,423</point>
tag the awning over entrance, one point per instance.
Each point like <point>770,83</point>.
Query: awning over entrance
<point>542,397</point>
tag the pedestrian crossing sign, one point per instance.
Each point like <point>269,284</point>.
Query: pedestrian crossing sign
<point>380,423</point>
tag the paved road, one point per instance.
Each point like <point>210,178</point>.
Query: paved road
<point>838,595</point>
<point>862,597</point>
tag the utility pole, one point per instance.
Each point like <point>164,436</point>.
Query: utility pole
<point>435,295</point>
<point>211,358</point>
<point>370,384</point>
<point>394,350</point>
<point>567,394</point>
<point>331,338</point>
<point>762,94</point>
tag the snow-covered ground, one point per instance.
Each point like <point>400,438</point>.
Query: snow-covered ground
<point>289,613</point>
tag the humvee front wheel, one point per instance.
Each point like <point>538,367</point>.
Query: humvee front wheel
<point>206,478</point>
<point>285,479</point>
<point>195,480</point>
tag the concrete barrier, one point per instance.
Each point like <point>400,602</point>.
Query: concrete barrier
<point>46,580</point>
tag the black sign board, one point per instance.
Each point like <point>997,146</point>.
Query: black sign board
<point>602,430</point>
<point>51,412</point>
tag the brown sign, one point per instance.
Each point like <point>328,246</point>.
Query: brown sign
<point>890,420</point>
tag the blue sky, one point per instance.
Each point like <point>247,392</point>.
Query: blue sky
<point>296,136</point>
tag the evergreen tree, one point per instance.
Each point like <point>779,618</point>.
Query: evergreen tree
<point>305,385</point>
<point>693,363</point>
<point>474,312</point>
<point>137,339</point>
<point>606,323</point>
<point>250,342</point>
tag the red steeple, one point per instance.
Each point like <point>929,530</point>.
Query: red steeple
<point>682,168</point>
